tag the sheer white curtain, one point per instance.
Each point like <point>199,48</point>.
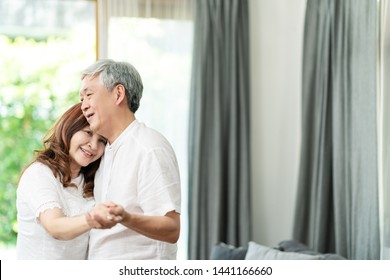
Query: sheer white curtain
<point>156,37</point>
<point>160,9</point>
<point>384,125</point>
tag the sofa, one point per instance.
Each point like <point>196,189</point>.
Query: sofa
<point>285,250</point>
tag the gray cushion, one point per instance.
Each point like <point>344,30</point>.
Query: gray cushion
<point>260,252</point>
<point>297,247</point>
<point>223,251</point>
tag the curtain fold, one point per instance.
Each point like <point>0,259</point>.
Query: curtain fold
<point>219,163</point>
<point>337,206</point>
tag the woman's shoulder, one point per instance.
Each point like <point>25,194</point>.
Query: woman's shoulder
<point>39,170</point>
<point>37,166</point>
<point>36,174</point>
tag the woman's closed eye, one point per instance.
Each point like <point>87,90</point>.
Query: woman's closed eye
<point>88,132</point>
<point>103,140</point>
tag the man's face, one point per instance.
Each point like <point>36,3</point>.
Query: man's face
<point>96,104</point>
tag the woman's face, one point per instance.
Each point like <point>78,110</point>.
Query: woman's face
<point>85,148</point>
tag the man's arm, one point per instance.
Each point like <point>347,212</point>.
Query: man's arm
<point>164,228</point>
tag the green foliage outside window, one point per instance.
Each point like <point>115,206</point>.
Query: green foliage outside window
<point>39,80</point>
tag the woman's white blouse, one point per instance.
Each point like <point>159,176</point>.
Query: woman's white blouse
<point>38,191</point>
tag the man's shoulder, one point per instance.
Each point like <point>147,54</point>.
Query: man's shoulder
<point>149,138</point>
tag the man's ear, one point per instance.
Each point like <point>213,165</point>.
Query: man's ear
<point>120,94</point>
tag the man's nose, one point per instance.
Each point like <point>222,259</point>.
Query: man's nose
<point>84,105</point>
<point>93,144</point>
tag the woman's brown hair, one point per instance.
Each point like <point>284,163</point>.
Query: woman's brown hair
<point>56,145</point>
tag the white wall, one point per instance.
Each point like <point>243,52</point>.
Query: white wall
<point>276,53</point>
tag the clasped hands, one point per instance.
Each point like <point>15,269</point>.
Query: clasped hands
<point>105,215</point>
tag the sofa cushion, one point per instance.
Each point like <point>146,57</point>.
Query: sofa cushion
<point>260,252</point>
<point>223,251</point>
<point>297,247</point>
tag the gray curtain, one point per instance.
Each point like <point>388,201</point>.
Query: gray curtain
<point>337,205</point>
<point>219,163</point>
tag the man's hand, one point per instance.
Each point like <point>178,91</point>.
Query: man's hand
<point>102,218</point>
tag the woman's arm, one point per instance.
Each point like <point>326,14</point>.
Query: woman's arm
<point>61,227</point>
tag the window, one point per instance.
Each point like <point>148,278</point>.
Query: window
<point>44,44</point>
<point>161,51</point>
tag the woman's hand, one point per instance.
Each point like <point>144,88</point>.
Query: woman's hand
<point>104,216</point>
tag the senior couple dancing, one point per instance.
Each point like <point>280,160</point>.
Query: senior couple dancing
<point>104,185</point>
